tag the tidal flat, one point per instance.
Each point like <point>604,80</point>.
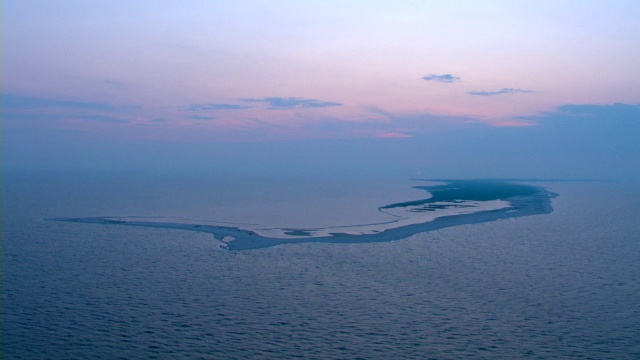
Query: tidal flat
<point>451,203</point>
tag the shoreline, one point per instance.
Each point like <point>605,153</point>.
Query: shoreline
<point>525,200</point>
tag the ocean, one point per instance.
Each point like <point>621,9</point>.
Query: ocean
<point>559,285</point>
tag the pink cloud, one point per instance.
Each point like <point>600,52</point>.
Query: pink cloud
<point>513,123</point>
<point>392,135</point>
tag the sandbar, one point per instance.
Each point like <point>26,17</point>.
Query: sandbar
<point>451,203</point>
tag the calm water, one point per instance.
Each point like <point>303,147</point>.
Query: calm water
<point>564,285</point>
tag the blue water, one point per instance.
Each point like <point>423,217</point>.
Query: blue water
<point>563,285</point>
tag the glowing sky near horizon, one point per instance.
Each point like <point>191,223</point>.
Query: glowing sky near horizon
<point>276,70</point>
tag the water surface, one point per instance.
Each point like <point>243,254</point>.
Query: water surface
<point>559,285</point>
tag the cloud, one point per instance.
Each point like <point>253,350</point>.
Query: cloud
<point>280,103</point>
<point>393,135</point>
<point>214,107</point>
<point>40,108</point>
<point>274,103</point>
<point>617,110</point>
<point>12,101</point>
<point>160,120</point>
<point>499,92</point>
<point>591,116</point>
<point>200,117</point>
<point>57,116</point>
<point>101,118</point>
<point>446,78</point>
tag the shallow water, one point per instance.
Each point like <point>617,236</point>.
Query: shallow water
<point>452,204</point>
<point>564,285</point>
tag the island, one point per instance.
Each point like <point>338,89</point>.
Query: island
<point>451,202</point>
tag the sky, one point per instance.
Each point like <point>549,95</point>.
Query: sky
<point>525,89</point>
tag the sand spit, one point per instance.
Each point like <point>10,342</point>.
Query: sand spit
<point>455,203</point>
